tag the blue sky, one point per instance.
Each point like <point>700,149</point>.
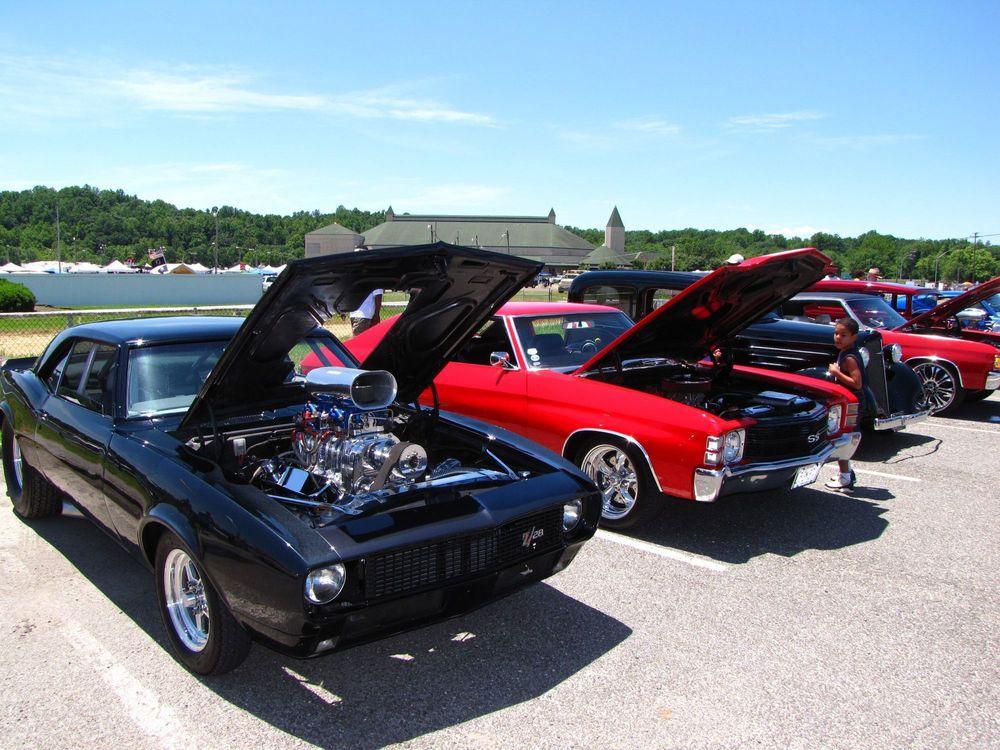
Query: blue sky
<point>790,117</point>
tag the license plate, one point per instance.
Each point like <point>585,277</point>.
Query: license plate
<point>805,475</point>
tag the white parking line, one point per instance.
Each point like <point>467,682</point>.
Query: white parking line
<point>964,429</point>
<point>670,554</point>
<point>153,717</point>
<point>886,475</point>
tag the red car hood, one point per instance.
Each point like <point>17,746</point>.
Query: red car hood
<point>952,305</point>
<point>714,308</point>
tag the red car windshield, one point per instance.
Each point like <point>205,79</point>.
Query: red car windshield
<point>874,312</point>
<point>567,341</point>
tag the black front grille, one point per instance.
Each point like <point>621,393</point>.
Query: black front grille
<point>428,565</point>
<point>785,439</point>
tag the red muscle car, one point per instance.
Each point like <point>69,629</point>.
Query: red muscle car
<point>941,320</point>
<point>647,410</point>
<point>950,369</point>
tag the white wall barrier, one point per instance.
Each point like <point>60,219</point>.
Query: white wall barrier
<point>112,290</point>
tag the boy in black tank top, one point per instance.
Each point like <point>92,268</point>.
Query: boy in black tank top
<point>848,372</point>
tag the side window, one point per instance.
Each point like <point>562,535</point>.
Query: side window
<point>98,387</point>
<point>622,297</point>
<point>76,363</point>
<point>492,337</point>
<point>659,297</point>
<point>53,377</point>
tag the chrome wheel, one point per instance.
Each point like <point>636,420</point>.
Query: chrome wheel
<point>16,462</point>
<point>616,478</point>
<point>939,386</point>
<point>187,604</point>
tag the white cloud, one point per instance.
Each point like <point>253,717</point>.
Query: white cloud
<point>778,121</point>
<point>74,89</point>
<point>649,126</point>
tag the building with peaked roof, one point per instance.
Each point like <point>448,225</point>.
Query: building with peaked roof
<point>535,237</point>
<point>612,252</point>
<point>333,238</point>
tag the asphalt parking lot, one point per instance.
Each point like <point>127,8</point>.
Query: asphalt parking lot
<point>800,619</point>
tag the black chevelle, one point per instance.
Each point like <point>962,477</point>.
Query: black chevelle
<point>280,491</point>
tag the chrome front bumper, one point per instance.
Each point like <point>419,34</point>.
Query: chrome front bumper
<point>710,484</point>
<point>899,421</point>
<point>992,381</point>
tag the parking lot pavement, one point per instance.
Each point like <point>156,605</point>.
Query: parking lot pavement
<point>799,619</point>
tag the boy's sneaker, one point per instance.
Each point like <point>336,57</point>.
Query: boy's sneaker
<point>842,481</point>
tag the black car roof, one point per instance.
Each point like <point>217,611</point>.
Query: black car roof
<point>158,330</point>
<point>636,277</point>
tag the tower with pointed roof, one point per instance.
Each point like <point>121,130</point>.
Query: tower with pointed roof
<point>614,233</point>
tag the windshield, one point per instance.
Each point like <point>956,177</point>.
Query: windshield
<point>874,312</point>
<point>165,379</point>
<point>567,341</point>
<point>992,302</point>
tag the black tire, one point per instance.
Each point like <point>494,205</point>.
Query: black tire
<point>977,395</point>
<point>32,494</point>
<point>648,502</point>
<point>228,642</point>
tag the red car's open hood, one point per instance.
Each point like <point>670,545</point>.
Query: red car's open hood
<point>714,308</point>
<point>952,305</point>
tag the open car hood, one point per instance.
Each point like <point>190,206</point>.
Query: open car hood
<point>714,308</point>
<point>455,291</point>
<point>952,305</point>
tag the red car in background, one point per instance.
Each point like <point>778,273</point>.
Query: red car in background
<point>642,409</point>
<point>950,369</point>
<point>940,320</point>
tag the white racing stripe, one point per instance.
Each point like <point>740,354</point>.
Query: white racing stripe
<point>965,429</point>
<point>886,475</point>
<point>143,706</point>
<point>667,552</point>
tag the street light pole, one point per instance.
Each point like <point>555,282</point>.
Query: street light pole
<point>58,241</point>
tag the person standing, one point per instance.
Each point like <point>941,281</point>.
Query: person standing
<point>847,371</point>
<point>369,314</point>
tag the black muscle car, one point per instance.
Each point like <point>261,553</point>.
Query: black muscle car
<point>280,491</point>
<point>895,393</point>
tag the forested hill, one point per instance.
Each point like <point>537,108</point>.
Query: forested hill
<point>102,225</point>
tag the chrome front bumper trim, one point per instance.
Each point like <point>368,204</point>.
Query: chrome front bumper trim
<point>708,483</point>
<point>899,421</point>
<point>992,381</point>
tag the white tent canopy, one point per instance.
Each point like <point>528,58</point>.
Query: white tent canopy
<point>11,268</point>
<point>234,269</point>
<point>116,266</point>
<point>84,267</point>
<point>197,268</point>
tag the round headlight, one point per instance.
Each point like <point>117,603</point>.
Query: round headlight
<point>571,514</point>
<point>833,419</point>
<point>323,585</point>
<point>732,447</point>
<point>895,352</point>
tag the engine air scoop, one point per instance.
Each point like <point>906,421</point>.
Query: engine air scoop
<point>366,389</point>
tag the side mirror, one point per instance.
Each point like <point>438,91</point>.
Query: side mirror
<point>502,360</point>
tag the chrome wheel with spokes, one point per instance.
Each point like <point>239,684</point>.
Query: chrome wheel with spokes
<point>616,477</point>
<point>186,602</point>
<point>940,386</point>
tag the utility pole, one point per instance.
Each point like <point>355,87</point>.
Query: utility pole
<point>58,240</point>
<point>673,252</point>
<point>975,241</point>
<point>215,213</point>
